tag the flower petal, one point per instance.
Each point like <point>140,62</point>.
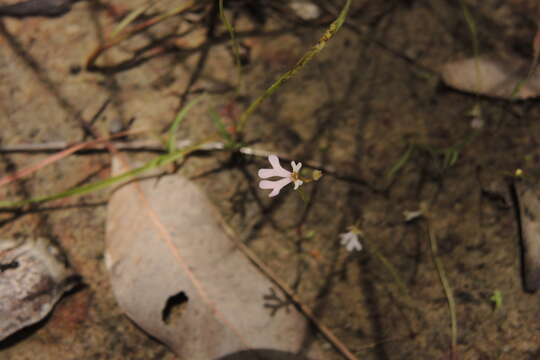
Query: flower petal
<point>276,185</point>
<point>296,166</point>
<point>266,184</point>
<point>354,245</point>
<point>280,171</point>
<point>350,241</point>
<point>279,185</point>
<point>267,173</point>
<point>347,237</point>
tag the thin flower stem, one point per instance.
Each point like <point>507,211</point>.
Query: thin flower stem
<point>329,33</point>
<point>391,269</point>
<point>446,285</point>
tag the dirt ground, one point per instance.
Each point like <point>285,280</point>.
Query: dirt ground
<point>354,110</point>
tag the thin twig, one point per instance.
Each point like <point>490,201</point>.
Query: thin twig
<point>54,146</point>
<point>137,145</point>
<point>64,152</point>
<point>327,333</point>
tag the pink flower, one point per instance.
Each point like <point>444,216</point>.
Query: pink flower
<point>277,171</point>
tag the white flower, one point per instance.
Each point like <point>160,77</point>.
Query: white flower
<point>277,171</point>
<point>350,240</point>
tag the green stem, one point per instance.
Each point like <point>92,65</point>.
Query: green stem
<point>156,162</point>
<point>445,284</point>
<point>329,33</point>
<point>391,269</point>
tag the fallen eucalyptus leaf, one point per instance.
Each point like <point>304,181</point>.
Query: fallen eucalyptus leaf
<point>33,277</point>
<point>528,196</point>
<point>492,76</point>
<point>177,274</point>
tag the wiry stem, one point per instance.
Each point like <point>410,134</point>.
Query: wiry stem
<point>446,286</point>
<point>330,32</point>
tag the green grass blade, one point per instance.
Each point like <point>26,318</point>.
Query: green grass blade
<point>236,48</point>
<point>98,185</point>
<point>453,157</point>
<point>400,163</point>
<point>129,19</point>
<point>391,269</point>
<point>171,142</point>
<point>220,126</point>
<point>445,284</point>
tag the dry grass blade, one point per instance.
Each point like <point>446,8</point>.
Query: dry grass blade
<point>129,32</point>
<point>130,18</point>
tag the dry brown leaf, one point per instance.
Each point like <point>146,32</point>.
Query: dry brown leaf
<point>179,277</point>
<point>33,278</point>
<point>492,76</point>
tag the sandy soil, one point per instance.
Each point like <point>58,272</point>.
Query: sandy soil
<point>354,109</point>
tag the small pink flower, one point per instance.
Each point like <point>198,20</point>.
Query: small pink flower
<point>277,171</point>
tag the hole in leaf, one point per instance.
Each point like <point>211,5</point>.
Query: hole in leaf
<point>174,306</point>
